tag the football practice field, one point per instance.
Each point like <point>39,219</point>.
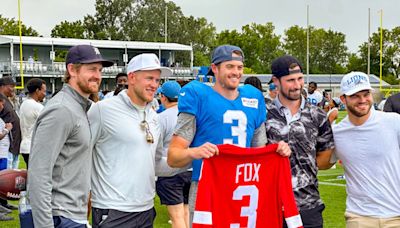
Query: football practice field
<point>332,190</point>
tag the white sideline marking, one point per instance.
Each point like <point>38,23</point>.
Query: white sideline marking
<point>329,174</point>
<point>335,179</point>
<point>332,184</point>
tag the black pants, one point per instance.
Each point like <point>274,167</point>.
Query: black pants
<point>108,218</point>
<point>312,218</point>
<point>26,159</point>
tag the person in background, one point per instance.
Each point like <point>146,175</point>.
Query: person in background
<point>381,104</point>
<point>60,157</point>
<point>121,83</point>
<point>5,129</point>
<point>314,97</point>
<point>392,103</point>
<point>9,115</point>
<point>29,113</point>
<point>173,189</point>
<point>254,81</point>
<point>272,90</point>
<point>333,109</point>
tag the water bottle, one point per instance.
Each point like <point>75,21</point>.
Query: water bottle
<point>25,211</point>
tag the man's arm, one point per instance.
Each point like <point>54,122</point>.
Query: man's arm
<point>324,159</point>
<point>50,134</point>
<point>179,153</point>
<point>259,137</point>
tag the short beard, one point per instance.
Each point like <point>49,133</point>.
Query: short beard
<point>87,89</point>
<point>356,113</point>
<point>288,97</point>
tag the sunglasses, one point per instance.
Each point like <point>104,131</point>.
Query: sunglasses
<point>145,127</point>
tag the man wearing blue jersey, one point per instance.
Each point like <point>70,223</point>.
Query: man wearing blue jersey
<point>215,115</point>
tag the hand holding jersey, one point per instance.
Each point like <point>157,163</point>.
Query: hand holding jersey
<point>207,150</point>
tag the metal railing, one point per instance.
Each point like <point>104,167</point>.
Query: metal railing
<point>57,69</point>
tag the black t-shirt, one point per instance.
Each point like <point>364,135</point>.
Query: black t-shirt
<point>393,104</point>
<point>8,115</point>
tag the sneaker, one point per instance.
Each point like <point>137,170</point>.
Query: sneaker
<point>4,210</point>
<point>10,206</point>
<point>4,217</point>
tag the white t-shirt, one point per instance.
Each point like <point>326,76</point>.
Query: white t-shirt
<point>168,119</point>
<point>314,98</point>
<point>29,112</point>
<point>4,142</point>
<point>370,154</point>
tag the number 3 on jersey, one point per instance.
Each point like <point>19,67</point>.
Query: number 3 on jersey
<point>239,130</point>
<point>251,210</point>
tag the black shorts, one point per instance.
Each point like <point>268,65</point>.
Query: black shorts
<point>108,218</point>
<point>174,190</point>
<point>312,218</point>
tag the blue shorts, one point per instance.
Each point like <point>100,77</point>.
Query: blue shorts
<point>174,190</point>
<point>3,163</point>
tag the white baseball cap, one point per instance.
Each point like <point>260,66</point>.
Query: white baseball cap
<point>354,82</point>
<point>147,61</point>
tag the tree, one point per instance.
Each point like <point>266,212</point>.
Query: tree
<point>11,27</point>
<point>69,30</point>
<point>328,52</point>
<point>390,56</point>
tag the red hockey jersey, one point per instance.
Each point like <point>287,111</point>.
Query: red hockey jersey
<point>246,187</point>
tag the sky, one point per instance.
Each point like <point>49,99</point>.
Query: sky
<point>347,16</point>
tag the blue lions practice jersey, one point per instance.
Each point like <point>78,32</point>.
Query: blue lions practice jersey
<point>219,120</point>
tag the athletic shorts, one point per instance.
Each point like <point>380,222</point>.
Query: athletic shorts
<point>312,217</point>
<point>3,163</point>
<point>109,218</point>
<point>174,190</point>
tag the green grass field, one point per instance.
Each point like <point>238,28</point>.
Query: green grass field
<point>332,190</point>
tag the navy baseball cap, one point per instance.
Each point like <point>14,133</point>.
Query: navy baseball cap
<point>170,89</point>
<point>86,54</point>
<point>7,80</point>
<point>284,65</point>
<point>224,53</point>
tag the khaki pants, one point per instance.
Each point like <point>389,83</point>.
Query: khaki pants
<point>359,221</point>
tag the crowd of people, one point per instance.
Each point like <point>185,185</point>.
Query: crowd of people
<point>111,155</point>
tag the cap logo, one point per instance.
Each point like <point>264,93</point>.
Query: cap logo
<point>96,50</point>
<point>357,79</point>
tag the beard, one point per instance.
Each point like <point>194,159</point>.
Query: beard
<point>292,95</point>
<point>89,87</point>
<point>357,113</point>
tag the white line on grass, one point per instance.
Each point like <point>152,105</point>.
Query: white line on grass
<point>332,184</point>
<point>329,174</point>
